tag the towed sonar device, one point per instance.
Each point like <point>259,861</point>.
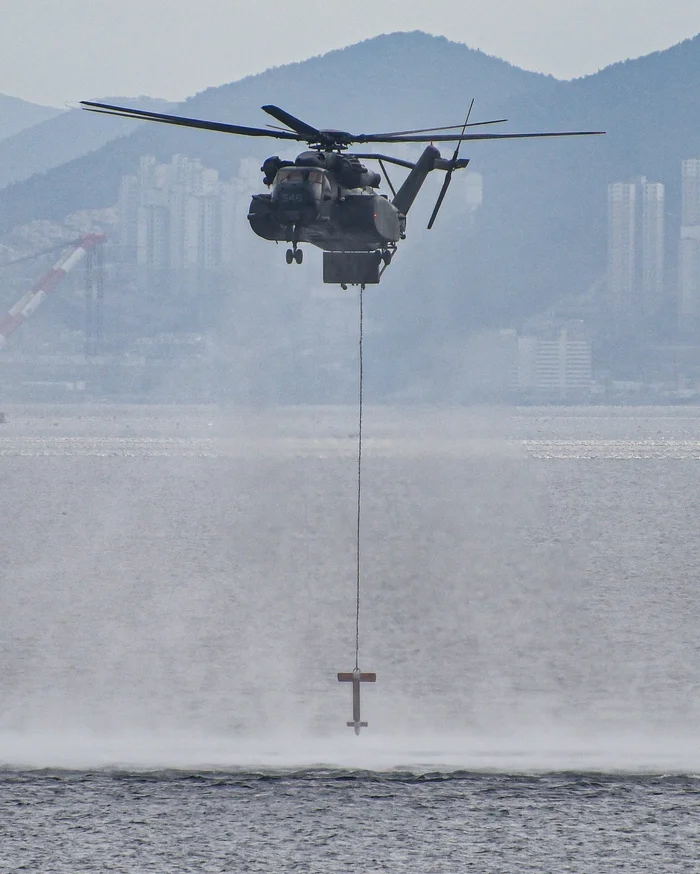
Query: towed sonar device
<point>356,677</point>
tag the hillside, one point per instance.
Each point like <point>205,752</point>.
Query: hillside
<point>387,82</point>
<point>541,232</point>
<point>64,138</point>
<point>16,115</point>
<point>558,189</point>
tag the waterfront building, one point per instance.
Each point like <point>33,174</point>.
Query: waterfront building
<point>557,363</point>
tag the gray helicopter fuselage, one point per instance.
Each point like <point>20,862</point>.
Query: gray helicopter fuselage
<point>326,199</point>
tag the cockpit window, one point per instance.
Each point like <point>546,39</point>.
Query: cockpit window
<point>316,186</point>
<point>319,177</point>
<point>290,174</point>
<point>301,174</point>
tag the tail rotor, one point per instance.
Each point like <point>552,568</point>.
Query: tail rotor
<point>454,164</point>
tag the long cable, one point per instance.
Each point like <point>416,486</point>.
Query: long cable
<point>359,491</point>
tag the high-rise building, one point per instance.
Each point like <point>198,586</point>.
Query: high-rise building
<point>622,252</point>
<point>636,241</point>
<point>171,214</point>
<point>128,211</point>
<point>209,255</point>
<point>230,217</point>
<point>235,203</point>
<point>690,211</point>
<point>153,237</point>
<point>653,240</point>
<point>689,250</point>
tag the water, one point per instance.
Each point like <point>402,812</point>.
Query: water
<point>178,594</point>
<point>325,821</point>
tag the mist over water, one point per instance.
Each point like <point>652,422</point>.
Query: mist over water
<point>178,589</point>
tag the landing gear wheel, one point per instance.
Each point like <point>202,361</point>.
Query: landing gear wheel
<point>289,256</point>
<point>387,255</point>
<point>298,256</point>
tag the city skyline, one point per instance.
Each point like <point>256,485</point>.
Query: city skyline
<point>180,215</point>
<point>636,273</point>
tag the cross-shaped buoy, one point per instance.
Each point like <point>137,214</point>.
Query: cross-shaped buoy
<point>356,677</point>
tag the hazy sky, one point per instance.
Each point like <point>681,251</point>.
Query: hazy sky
<point>53,51</point>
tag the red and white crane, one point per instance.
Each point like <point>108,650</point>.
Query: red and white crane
<point>29,302</point>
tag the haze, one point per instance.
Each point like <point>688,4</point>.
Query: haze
<point>56,52</point>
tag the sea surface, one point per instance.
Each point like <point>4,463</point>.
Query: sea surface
<point>177,594</point>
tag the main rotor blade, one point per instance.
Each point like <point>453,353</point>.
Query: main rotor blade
<point>427,130</point>
<point>303,132</point>
<point>307,131</point>
<point>218,126</point>
<point>480,123</point>
<point>452,138</point>
<point>459,141</point>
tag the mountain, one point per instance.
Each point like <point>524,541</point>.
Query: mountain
<point>399,80</point>
<point>556,191</point>
<point>64,138</point>
<point>541,232</point>
<point>16,115</point>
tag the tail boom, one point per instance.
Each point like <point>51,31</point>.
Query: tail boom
<point>415,179</point>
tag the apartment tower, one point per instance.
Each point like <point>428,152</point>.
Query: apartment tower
<point>636,241</point>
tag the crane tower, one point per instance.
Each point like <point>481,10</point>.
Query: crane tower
<point>90,245</point>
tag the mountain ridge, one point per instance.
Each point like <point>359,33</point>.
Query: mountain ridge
<point>63,138</point>
<point>541,232</point>
<point>17,114</point>
<point>328,87</point>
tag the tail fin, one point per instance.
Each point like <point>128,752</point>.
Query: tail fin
<point>415,179</point>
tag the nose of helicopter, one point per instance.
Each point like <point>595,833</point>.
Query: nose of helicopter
<point>293,197</point>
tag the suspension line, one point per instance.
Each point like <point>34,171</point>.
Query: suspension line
<point>359,485</point>
<point>357,677</point>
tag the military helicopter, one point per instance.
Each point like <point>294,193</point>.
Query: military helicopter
<point>327,196</point>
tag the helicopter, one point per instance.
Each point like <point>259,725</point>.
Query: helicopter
<point>327,197</point>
